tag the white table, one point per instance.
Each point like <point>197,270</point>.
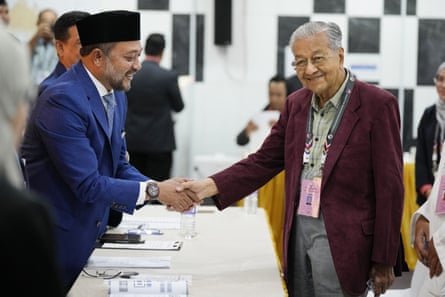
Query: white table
<point>232,255</point>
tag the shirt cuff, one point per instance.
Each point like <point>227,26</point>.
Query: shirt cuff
<point>142,194</point>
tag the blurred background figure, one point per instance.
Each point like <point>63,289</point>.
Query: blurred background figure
<point>41,46</point>
<point>4,13</point>
<point>430,136</point>
<point>67,44</point>
<point>25,222</point>
<point>149,126</point>
<point>292,84</point>
<point>277,97</point>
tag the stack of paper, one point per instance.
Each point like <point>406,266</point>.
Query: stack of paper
<point>147,287</point>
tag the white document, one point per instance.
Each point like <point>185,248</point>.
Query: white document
<point>144,287</point>
<point>139,295</point>
<point>164,245</point>
<point>163,223</point>
<point>129,262</point>
<point>264,120</point>
<point>165,277</point>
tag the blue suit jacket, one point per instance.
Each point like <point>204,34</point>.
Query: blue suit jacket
<point>73,162</point>
<point>49,80</point>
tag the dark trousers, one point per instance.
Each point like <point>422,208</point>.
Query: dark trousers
<point>156,166</point>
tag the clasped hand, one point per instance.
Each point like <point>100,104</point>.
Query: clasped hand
<point>181,194</point>
<point>174,197</point>
<point>425,249</point>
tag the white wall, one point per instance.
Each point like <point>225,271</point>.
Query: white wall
<point>236,76</point>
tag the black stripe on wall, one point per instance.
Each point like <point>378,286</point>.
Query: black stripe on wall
<point>431,49</point>
<point>200,26</point>
<point>364,35</point>
<point>181,43</point>
<point>286,26</point>
<point>154,4</point>
<point>329,6</point>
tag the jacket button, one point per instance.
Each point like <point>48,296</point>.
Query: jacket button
<point>98,223</point>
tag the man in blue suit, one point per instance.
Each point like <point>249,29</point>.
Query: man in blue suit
<point>74,143</point>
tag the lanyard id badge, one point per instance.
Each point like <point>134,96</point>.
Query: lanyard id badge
<point>311,187</point>
<point>310,197</point>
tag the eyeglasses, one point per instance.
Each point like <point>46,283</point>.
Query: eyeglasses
<point>109,273</point>
<point>439,79</point>
<point>316,61</point>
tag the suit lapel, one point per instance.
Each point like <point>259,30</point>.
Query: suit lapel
<point>94,98</point>
<point>97,108</point>
<point>344,131</point>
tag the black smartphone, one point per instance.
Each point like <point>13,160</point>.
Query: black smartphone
<point>121,238</point>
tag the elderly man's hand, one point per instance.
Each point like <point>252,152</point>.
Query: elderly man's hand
<point>382,276</point>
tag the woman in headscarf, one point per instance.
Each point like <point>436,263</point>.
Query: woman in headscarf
<point>430,136</point>
<point>27,240</point>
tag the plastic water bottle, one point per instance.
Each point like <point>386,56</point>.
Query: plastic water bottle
<point>251,203</point>
<point>188,221</point>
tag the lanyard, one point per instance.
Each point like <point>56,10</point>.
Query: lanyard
<point>334,126</point>
<point>437,146</point>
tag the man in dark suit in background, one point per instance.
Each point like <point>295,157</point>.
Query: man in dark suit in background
<point>149,126</point>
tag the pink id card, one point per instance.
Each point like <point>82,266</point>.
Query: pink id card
<point>310,197</point>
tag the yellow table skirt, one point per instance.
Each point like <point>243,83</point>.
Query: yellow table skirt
<point>410,206</point>
<point>271,198</point>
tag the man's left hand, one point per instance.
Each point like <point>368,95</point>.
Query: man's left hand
<point>382,276</point>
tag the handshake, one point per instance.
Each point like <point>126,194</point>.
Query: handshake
<point>180,194</point>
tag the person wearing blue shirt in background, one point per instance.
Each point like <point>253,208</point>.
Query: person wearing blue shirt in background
<point>67,43</point>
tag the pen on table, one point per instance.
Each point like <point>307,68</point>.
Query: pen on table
<point>145,231</point>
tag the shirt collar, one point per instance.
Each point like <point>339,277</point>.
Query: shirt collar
<point>334,100</point>
<point>99,86</point>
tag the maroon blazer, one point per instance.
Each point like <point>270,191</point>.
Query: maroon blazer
<point>362,186</point>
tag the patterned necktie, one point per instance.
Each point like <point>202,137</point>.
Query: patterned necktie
<point>111,103</point>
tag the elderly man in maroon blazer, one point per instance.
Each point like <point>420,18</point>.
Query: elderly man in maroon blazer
<point>338,140</point>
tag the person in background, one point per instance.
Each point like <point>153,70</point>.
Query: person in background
<point>4,13</point>
<point>430,137</point>
<point>338,140</point>
<point>67,44</point>
<point>29,261</point>
<point>292,84</point>
<point>41,46</point>
<point>428,239</point>
<point>277,98</point>
<point>149,127</point>
<point>74,143</point>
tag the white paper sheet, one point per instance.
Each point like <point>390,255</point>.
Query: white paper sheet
<point>131,262</point>
<point>166,245</point>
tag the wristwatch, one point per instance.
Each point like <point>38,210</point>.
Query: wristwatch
<point>152,190</point>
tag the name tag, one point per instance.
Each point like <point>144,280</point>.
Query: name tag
<point>440,205</point>
<point>310,197</point>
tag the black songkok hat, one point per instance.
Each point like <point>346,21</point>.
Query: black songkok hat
<point>109,26</point>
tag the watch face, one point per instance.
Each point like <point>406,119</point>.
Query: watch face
<point>153,190</point>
